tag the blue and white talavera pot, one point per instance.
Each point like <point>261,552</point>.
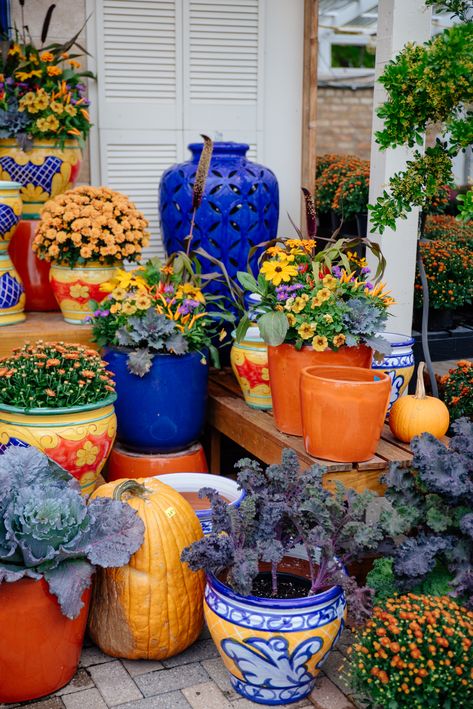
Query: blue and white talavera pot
<point>239,210</point>
<point>193,482</point>
<point>398,365</point>
<point>273,648</point>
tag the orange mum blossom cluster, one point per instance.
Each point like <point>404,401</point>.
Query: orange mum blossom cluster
<point>416,653</point>
<point>91,224</point>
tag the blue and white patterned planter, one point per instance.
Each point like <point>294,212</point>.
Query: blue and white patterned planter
<point>398,365</point>
<point>193,482</point>
<point>273,648</point>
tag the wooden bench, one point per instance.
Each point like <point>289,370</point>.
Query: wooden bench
<point>254,430</point>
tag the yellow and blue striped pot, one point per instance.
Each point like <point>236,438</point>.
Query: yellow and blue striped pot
<point>78,438</point>
<point>12,295</point>
<point>74,287</point>
<point>273,648</point>
<point>249,360</point>
<point>44,171</point>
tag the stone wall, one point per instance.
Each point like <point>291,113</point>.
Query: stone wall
<point>344,121</point>
<point>68,17</point>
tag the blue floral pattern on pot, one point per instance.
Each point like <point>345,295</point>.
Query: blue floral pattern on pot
<point>273,648</point>
<point>398,365</point>
<point>240,208</point>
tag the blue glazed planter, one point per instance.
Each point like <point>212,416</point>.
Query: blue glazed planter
<point>399,364</point>
<point>273,648</point>
<point>164,411</point>
<point>240,208</point>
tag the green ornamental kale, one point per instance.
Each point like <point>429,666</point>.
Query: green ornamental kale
<point>47,530</point>
<point>433,505</point>
<point>286,510</point>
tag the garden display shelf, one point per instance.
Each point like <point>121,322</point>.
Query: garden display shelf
<point>43,326</point>
<point>254,430</point>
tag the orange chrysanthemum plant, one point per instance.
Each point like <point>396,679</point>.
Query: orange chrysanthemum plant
<point>91,224</point>
<point>415,653</point>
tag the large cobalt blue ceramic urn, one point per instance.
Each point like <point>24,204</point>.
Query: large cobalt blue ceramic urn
<point>163,411</point>
<point>239,210</point>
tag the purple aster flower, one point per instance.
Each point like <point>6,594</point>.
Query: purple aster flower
<point>369,285</point>
<point>169,288</point>
<point>296,286</point>
<point>187,306</point>
<point>366,269</point>
<point>337,271</point>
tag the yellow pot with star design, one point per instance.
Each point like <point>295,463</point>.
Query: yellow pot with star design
<point>74,287</point>
<point>78,438</point>
<point>44,171</point>
<point>249,360</point>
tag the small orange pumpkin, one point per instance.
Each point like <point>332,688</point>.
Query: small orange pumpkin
<point>153,607</point>
<point>414,414</point>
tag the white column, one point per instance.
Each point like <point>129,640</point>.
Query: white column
<point>399,22</point>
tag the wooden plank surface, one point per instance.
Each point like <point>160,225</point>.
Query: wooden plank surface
<point>43,326</point>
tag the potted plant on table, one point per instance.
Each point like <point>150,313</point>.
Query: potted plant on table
<point>456,390</point>
<point>314,309</point>
<point>277,589</point>
<point>59,398</point>
<point>86,233</point>
<point>50,543</point>
<point>157,332</point>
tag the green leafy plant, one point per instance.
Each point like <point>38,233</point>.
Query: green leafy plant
<point>465,209</point>
<point>415,653</point>
<point>426,84</point>
<point>283,509</point>
<point>54,375</point>
<point>47,530</point>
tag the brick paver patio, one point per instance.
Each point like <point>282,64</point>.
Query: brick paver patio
<point>196,679</point>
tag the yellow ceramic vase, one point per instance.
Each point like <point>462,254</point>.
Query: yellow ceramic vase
<point>12,296</point>
<point>249,360</point>
<point>273,648</point>
<point>79,438</point>
<point>44,171</point>
<point>75,287</point>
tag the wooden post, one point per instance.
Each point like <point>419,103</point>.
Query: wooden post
<point>309,98</point>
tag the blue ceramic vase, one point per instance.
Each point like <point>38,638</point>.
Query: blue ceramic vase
<point>164,411</point>
<point>240,208</point>
<point>399,364</point>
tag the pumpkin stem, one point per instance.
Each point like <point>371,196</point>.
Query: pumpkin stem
<point>132,486</point>
<point>420,386</point>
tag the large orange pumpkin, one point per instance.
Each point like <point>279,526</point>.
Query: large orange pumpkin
<point>153,607</point>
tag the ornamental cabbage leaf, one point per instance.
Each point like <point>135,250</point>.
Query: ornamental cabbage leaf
<point>48,530</point>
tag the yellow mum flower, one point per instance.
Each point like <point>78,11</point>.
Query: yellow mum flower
<point>328,318</point>
<point>54,71</point>
<point>306,331</point>
<point>299,305</point>
<point>42,100</point>
<point>116,307</point>
<point>119,293</point>
<point>50,123</point>
<point>57,107</point>
<point>324,295</point>
<point>320,343</point>
<point>71,110</point>
<point>277,271</point>
<point>143,302</point>
<point>315,303</point>
<point>47,57</point>
<point>330,282</point>
<point>291,319</point>
<point>274,251</point>
<point>339,340</point>
<point>188,291</point>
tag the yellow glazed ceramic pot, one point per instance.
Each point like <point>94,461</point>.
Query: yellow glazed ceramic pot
<point>78,438</point>
<point>273,647</point>
<point>44,171</point>
<point>249,360</point>
<point>75,287</point>
<point>12,296</point>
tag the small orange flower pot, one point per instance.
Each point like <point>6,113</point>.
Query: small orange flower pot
<point>343,410</point>
<point>127,464</point>
<point>40,647</point>
<point>285,367</point>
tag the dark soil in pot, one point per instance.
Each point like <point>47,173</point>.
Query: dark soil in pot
<point>289,586</point>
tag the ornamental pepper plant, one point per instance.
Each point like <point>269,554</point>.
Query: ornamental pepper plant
<point>305,300</point>
<point>54,375</point>
<point>415,653</point>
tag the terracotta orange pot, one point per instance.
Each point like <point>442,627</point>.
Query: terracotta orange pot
<point>285,367</point>
<point>40,647</point>
<point>343,410</point>
<point>127,464</point>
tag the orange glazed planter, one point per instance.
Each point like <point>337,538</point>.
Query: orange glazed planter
<point>285,367</point>
<point>343,410</point>
<point>128,464</point>
<point>75,287</point>
<point>40,647</point>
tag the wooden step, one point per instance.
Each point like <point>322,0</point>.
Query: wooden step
<point>43,326</point>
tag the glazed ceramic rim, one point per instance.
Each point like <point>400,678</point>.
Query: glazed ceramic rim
<point>221,146</point>
<point>61,410</point>
<point>283,603</point>
<point>4,184</point>
<point>127,350</point>
<point>87,265</point>
<point>382,376</point>
<point>204,513</point>
<point>404,340</point>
